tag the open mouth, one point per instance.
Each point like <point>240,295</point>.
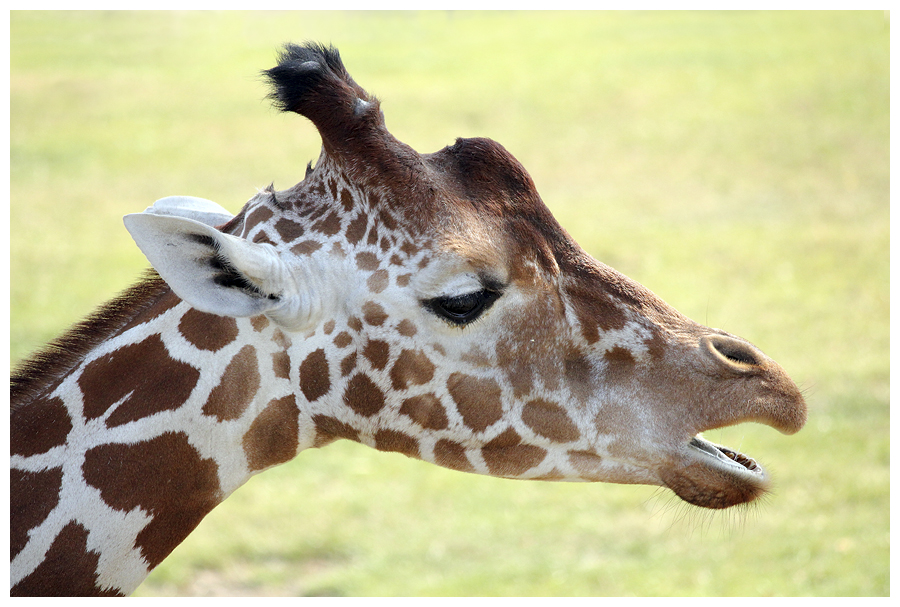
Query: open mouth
<point>726,456</point>
<point>714,476</point>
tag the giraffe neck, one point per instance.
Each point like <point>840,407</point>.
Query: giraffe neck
<point>131,428</point>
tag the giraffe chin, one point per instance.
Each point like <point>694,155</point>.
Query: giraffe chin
<point>715,476</point>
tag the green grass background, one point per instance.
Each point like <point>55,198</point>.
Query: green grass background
<point>735,163</point>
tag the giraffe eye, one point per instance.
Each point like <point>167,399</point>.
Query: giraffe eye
<point>463,309</point>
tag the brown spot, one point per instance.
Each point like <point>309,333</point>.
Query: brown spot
<point>579,376</point>
<point>363,396</point>
<point>387,220</point>
<point>38,427</point>
<point>346,200</point>
<point>452,455</point>
<point>288,230</point>
<point>506,456</point>
<point>374,314</point>
<point>373,236</point>
<point>586,463</point>
<point>307,247</point>
<point>329,226</point>
<point>239,384</point>
<point>262,236</point>
<point>281,339</point>
<point>403,280</point>
<point>409,248</point>
<point>343,339</point>
<point>163,304</point>
<point>32,497</point>
<point>357,228</point>
<point>260,214</point>
<point>377,353</point>
<point>596,292</point>
<point>207,331</point>
<point>281,365</point>
<point>413,367</point>
<point>396,260</point>
<point>619,356</point>
<point>426,410</point>
<point>549,420</point>
<point>68,568</point>
<point>391,440</point>
<point>328,327</point>
<point>329,429</point>
<point>348,364</point>
<point>314,379</point>
<point>144,373</point>
<point>355,324</point>
<point>259,322</point>
<point>165,477</point>
<point>406,328</point>
<point>378,281</point>
<point>367,262</point>
<point>272,437</point>
<point>477,400</point>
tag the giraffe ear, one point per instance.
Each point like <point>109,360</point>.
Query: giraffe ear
<point>203,210</point>
<point>218,273</point>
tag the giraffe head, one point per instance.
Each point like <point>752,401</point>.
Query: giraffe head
<point>430,304</point>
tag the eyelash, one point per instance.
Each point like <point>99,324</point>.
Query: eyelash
<point>461,310</point>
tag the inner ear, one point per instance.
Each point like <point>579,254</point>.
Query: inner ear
<point>212,271</point>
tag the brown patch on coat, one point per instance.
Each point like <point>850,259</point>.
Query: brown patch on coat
<point>40,373</point>
<point>374,314</point>
<point>363,396</point>
<point>239,384</point>
<point>392,440</point>
<point>260,214</point>
<point>477,399</point>
<point>450,454</point>
<point>32,497</point>
<point>307,247</point>
<point>356,229</point>
<point>329,429</point>
<point>259,322</point>
<point>505,455</point>
<point>377,353</point>
<point>366,261</point>
<point>427,410</point>
<point>314,379</point>
<point>406,328</point>
<point>378,281</point>
<point>38,427</point>
<point>208,331</point>
<point>144,372</point>
<point>330,225</point>
<point>273,436</point>
<point>165,477</point>
<point>412,367</point>
<point>281,365</point>
<point>68,568</point>
<point>288,229</point>
<point>549,420</point>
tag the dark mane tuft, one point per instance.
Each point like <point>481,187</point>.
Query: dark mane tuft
<point>36,374</point>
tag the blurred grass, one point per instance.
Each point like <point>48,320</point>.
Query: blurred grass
<point>735,163</point>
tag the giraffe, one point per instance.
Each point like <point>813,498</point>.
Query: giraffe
<point>426,304</point>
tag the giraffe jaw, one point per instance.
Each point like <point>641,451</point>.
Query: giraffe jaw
<point>713,476</point>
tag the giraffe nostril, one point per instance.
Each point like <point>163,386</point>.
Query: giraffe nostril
<point>734,353</point>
